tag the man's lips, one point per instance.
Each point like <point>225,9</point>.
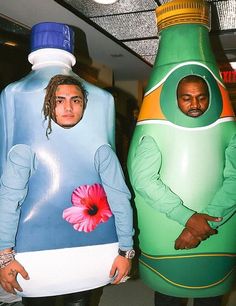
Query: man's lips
<point>195,112</point>
<point>68,116</point>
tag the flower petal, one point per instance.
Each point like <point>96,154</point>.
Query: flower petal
<point>90,207</point>
<point>79,194</point>
<point>73,214</point>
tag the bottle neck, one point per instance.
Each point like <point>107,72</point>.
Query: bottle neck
<point>179,45</point>
<point>51,57</point>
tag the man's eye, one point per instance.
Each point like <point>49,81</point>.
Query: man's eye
<point>59,101</point>
<point>78,101</point>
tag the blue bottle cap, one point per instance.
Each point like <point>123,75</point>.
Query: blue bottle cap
<point>52,35</point>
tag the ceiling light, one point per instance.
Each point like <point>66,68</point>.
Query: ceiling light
<point>105,1</point>
<point>233,65</point>
<point>10,43</point>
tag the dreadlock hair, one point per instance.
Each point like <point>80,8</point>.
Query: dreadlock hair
<point>50,97</point>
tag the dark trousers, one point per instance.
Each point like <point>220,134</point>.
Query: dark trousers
<point>165,300</point>
<point>73,299</point>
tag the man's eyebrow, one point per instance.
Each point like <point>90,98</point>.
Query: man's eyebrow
<point>73,97</point>
<point>78,96</point>
<point>184,94</point>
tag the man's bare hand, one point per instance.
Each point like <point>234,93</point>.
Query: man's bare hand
<point>120,269</point>
<point>186,240</point>
<point>198,225</point>
<point>8,276</point>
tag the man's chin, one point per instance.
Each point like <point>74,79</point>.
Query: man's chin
<point>67,126</point>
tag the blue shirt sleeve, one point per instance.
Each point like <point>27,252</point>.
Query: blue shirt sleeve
<point>13,190</point>
<point>118,195</point>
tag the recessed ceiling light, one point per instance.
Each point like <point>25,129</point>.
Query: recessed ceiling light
<point>105,1</point>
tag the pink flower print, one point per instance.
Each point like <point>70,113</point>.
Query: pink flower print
<point>90,207</point>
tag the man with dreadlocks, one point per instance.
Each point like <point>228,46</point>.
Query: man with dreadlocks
<point>65,214</point>
<point>65,102</point>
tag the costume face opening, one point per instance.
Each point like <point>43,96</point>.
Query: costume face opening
<point>206,90</point>
<point>65,102</point>
<point>69,105</point>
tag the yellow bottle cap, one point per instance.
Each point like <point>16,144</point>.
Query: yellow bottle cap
<point>183,12</point>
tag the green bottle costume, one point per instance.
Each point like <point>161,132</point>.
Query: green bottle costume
<point>179,165</point>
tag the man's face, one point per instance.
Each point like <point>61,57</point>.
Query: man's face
<point>69,105</point>
<point>193,98</point>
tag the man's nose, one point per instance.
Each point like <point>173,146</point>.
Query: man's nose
<point>68,105</point>
<point>194,103</point>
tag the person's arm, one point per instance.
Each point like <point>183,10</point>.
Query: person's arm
<point>223,203</point>
<point>146,180</point>
<point>13,189</point>
<point>118,195</point>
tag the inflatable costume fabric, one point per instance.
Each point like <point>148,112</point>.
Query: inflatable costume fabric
<point>179,165</point>
<point>44,178</point>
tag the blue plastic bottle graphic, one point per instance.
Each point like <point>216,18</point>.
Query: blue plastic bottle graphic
<point>188,161</point>
<point>58,258</point>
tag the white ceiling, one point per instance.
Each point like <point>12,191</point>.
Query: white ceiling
<point>126,65</point>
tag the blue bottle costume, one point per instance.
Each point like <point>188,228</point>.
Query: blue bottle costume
<point>42,173</point>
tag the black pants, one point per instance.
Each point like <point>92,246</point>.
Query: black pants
<point>73,299</point>
<point>165,300</point>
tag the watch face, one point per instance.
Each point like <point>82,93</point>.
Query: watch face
<point>127,254</point>
<point>130,254</point>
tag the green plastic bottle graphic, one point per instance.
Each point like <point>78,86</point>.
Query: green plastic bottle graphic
<point>180,164</point>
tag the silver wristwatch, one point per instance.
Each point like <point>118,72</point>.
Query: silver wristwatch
<point>127,254</point>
